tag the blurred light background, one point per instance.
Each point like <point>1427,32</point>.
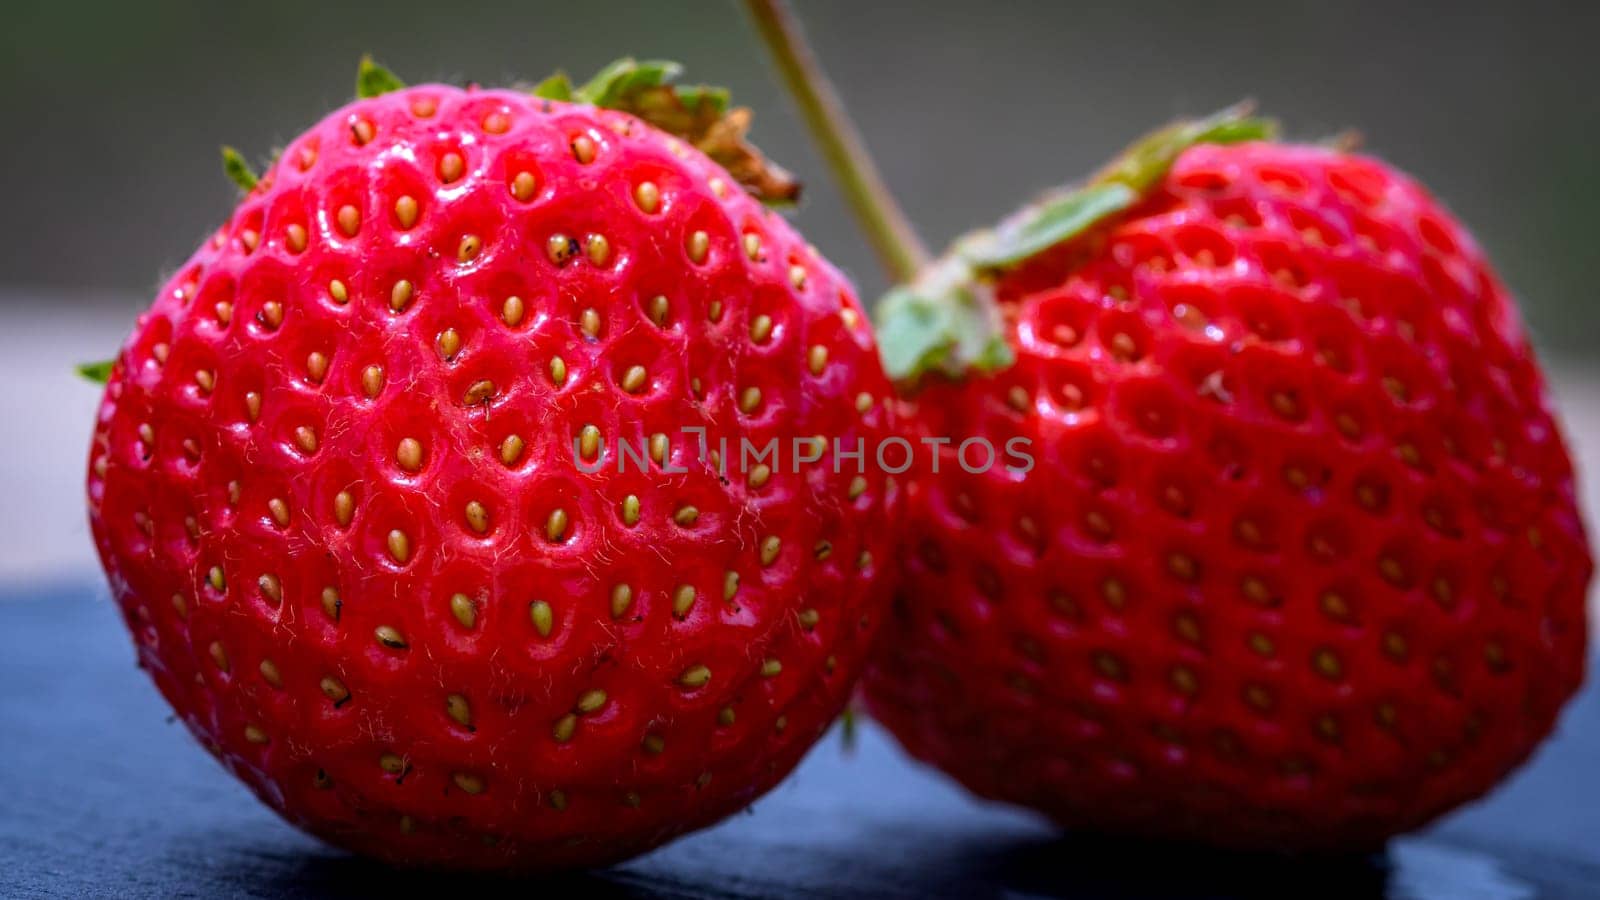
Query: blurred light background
<point>113,113</point>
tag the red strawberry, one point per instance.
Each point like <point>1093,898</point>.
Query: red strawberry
<point>334,483</point>
<point>1298,562</point>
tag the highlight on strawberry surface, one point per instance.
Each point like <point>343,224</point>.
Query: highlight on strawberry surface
<point>402,482</point>
<point>1300,564</point>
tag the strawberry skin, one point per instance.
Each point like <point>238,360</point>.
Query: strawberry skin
<point>1298,564</point>
<point>334,488</point>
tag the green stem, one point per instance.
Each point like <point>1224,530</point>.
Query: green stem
<point>894,240</point>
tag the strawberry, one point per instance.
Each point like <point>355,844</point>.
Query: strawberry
<point>1295,560</point>
<point>398,488</point>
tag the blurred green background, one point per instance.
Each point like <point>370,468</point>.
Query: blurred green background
<point>113,110</point>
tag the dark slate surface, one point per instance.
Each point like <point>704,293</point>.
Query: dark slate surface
<point>100,795</point>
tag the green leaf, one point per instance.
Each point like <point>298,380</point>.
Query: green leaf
<point>556,87</point>
<point>237,170</point>
<point>373,80</point>
<point>1054,221</point>
<point>1148,159</point>
<point>97,372</point>
<point>945,322</point>
<point>699,114</point>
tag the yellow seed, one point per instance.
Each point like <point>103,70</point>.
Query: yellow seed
<point>331,603</point>
<point>653,744</point>
<point>349,220</point>
<point>589,442</point>
<point>372,380</point>
<point>523,185</point>
<point>761,329</point>
<point>334,689</point>
<point>630,510</point>
<point>271,588</point>
<point>714,311</point>
<point>558,371</point>
<point>749,399</point>
<point>683,600</point>
<point>468,248</point>
<point>511,311</point>
<point>770,667</point>
<point>344,507</point>
<point>214,578</point>
<point>797,277</point>
<point>634,379</point>
<point>621,599</point>
<point>448,344</point>
<point>405,211</point>
<point>659,307</point>
<point>542,616</point>
<point>647,196</point>
<point>206,379</point>
<point>400,295</point>
<point>270,674</point>
<point>362,131</point>
<point>478,392</point>
<point>255,735</point>
<point>390,637</point>
<point>451,167</point>
<point>758,475</point>
<point>858,486</point>
<point>465,611</point>
<point>726,716</point>
<point>730,584</point>
<point>583,149</point>
<point>306,439</point>
<point>817,359</point>
<point>864,402</point>
<point>459,710</point>
<point>809,618</point>
<point>719,187</point>
<point>399,546</point>
<point>695,676</point>
<point>409,455</point>
<point>558,800</point>
<point>317,366</point>
<point>338,292</point>
<point>658,448</point>
<point>686,515</point>
<point>279,511</point>
<point>591,701</point>
<point>219,655</point>
<point>769,549</point>
<point>510,449</point>
<point>224,312</point>
<point>1327,664</point>
<point>598,248</point>
<point>563,730</point>
<point>555,526</point>
<point>559,248</point>
<point>752,246</point>
<point>469,784</point>
<point>180,605</point>
<point>295,237</point>
<point>589,322</point>
<point>699,246</point>
<point>477,516</point>
<point>394,764</point>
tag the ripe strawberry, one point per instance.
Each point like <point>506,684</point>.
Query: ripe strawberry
<point>355,480</point>
<point>1298,563</point>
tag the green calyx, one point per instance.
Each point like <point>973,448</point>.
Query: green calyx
<point>373,80</point>
<point>702,115</point>
<point>947,320</point>
<point>97,372</point>
<point>237,170</point>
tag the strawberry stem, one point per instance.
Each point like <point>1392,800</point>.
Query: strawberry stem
<point>893,239</point>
